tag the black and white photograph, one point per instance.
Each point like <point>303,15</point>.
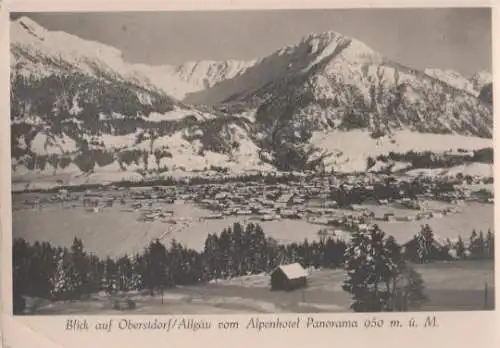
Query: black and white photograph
<point>252,161</point>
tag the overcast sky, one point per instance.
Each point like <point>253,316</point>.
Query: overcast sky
<point>458,39</point>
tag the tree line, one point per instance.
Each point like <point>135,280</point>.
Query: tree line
<point>44,271</point>
<point>265,178</point>
<point>429,159</point>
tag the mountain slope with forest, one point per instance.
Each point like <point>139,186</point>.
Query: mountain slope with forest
<point>79,110</point>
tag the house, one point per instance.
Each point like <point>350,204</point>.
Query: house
<point>288,277</point>
<point>285,200</point>
<point>389,217</point>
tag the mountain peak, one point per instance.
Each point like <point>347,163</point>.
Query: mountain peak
<point>329,35</point>
<point>332,42</point>
<point>28,25</point>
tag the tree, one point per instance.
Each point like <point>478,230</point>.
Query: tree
<point>124,267</point>
<point>409,290</point>
<point>460,248</point>
<point>489,245</point>
<point>425,244</point>
<point>373,261</point>
<point>213,256</point>
<point>156,266</point>
<point>476,245</point>
<point>62,285</point>
<point>79,268</point>
<point>406,287</point>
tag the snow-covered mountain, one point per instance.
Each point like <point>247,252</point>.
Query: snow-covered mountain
<point>189,77</point>
<point>472,85</point>
<point>454,79</point>
<point>79,107</point>
<point>328,82</point>
<point>486,93</point>
<point>481,79</point>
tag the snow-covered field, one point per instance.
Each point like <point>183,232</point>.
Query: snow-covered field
<point>116,231</point>
<point>351,149</point>
<point>349,153</point>
<point>449,286</point>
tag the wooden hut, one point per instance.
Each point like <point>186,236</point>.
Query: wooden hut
<point>288,277</point>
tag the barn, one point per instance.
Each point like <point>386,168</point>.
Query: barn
<point>288,277</point>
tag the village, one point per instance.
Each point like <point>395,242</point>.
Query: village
<point>339,204</point>
<point>124,220</point>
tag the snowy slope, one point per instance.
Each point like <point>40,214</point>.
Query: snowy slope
<point>285,62</point>
<point>331,82</point>
<point>481,79</point>
<point>38,52</point>
<point>453,78</point>
<point>350,150</point>
<point>79,108</point>
<point>190,77</point>
<point>177,81</point>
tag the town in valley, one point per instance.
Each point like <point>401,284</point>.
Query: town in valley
<point>323,167</point>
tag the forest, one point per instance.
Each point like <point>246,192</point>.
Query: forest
<point>41,270</point>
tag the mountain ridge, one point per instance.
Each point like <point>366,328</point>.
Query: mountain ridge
<point>97,113</point>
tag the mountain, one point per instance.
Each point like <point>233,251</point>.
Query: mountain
<point>330,82</point>
<point>80,112</point>
<point>486,93</point>
<point>481,79</point>
<point>472,85</point>
<point>453,78</point>
<point>78,108</point>
<point>189,77</point>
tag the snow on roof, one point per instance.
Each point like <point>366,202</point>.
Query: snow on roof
<point>293,270</point>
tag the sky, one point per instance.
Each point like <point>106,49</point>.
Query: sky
<point>458,39</point>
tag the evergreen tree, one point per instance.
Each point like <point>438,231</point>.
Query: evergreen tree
<point>124,270</point>
<point>238,249</point>
<point>481,245</point>
<point>475,245</point>
<point>62,282</point>
<point>138,270</point>
<point>156,266</point>
<point>489,245</point>
<point>79,268</point>
<point>460,248</point>
<point>372,262</point>
<point>425,244</point>
<point>410,291</point>
<point>110,275</point>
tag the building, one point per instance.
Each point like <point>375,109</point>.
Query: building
<point>288,277</point>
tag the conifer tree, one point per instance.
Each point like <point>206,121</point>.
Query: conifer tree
<point>475,247</point>
<point>156,266</point>
<point>460,248</point>
<point>425,241</point>
<point>62,285</point>
<point>79,267</point>
<point>490,245</point>
<point>372,261</point>
<point>481,245</point>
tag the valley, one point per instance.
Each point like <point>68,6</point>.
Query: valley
<point>181,188</point>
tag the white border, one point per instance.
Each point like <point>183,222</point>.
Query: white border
<point>456,329</point>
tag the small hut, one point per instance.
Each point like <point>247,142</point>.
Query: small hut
<point>288,277</point>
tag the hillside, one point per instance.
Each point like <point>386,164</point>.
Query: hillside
<point>481,79</point>
<point>331,82</point>
<point>189,77</point>
<point>77,107</point>
<point>455,79</point>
